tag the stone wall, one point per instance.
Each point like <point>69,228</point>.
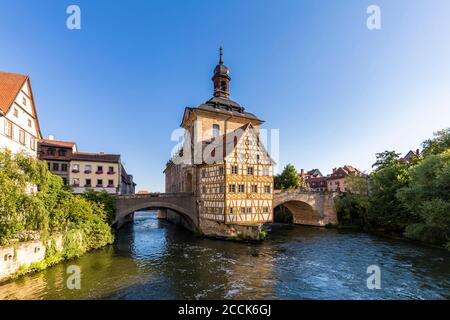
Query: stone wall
<point>15,256</point>
<point>212,228</point>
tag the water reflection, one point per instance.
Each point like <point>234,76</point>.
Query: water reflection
<point>153,259</point>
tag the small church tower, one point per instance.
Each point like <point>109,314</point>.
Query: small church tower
<point>221,79</point>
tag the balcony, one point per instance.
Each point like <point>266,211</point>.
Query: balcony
<point>75,170</point>
<point>87,171</point>
<point>88,186</point>
<point>99,186</point>
<point>76,185</point>
<point>98,172</point>
<point>111,172</point>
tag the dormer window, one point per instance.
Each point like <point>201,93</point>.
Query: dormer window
<point>24,101</point>
<point>16,112</point>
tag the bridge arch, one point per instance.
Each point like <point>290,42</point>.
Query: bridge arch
<point>182,204</point>
<point>307,208</point>
<point>302,212</point>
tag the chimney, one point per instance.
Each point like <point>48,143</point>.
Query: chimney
<point>417,152</point>
<point>51,137</point>
<point>302,171</point>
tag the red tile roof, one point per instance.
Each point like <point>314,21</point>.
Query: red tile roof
<point>97,157</point>
<point>10,85</point>
<point>57,143</point>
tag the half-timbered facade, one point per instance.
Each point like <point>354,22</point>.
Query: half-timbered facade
<point>223,160</point>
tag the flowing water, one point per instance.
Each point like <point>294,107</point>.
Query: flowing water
<point>153,259</point>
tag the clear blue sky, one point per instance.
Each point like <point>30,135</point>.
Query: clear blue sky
<point>338,92</point>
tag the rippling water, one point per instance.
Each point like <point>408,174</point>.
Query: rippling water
<point>153,259</point>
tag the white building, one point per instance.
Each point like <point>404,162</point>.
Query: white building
<point>19,124</point>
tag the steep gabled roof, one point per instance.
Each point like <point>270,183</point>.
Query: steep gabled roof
<point>229,140</point>
<point>10,85</point>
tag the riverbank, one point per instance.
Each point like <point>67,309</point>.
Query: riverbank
<point>37,206</point>
<point>25,257</point>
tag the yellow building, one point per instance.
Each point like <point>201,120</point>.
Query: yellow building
<point>223,161</point>
<point>86,170</point>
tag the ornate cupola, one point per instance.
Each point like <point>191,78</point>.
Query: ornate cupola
<point>221,79</point>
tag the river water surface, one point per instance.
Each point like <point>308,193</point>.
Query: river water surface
<point>153,259</point>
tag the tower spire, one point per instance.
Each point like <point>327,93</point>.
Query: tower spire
<point>221,79</point>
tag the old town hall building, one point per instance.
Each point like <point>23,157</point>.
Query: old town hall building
<point>223,161</point>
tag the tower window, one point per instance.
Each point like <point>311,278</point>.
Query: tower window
<point>216,130</point>
<point>223,85</point>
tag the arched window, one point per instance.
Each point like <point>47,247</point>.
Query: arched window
<point>223,85</point>
<point>216,130</point>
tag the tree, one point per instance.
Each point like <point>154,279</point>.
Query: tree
<point>427,198</point>
<point>106,200</point>
<point>389,176</point>
<point>356,184</point>
<point>288,179</point>
<point>33,199</point>
<point>351,209</point>
<point>386,159</point>
<point>439,143</point>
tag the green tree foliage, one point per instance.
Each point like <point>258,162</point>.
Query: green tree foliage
<point>352,206</point>
<point>357,185</point>
<point>288,179</point>
<point>385,209</point>
<point>106,200</point>
<point>438,144</point>
<point>352,209</point>
<point>33,199</point>
<point>427,198</point>
<point>411,197</point>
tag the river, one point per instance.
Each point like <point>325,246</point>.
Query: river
<point>153,259</point>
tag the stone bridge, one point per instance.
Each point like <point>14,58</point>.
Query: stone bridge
<point>308,208</point>
<point>182,203</point>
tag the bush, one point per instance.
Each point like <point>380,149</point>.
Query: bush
<point>106,200</point>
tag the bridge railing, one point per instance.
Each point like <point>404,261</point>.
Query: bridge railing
<point>155,195</point>
<point>296,191</point>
